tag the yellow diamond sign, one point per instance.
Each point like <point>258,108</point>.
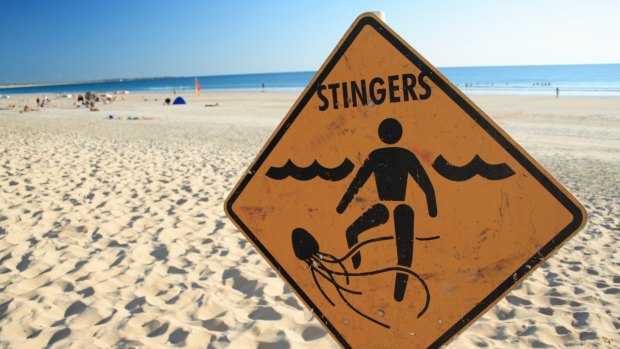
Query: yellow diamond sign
<point>394,207</point>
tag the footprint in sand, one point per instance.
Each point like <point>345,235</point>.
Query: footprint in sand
<point>518,301</point>
<point>265,313</point>
<point>530,330</point>
<point>159,331</point>
<point>60,335</point>
<point>280,344</point>
<point>118,260</point>
<point>106,320</point>
<point>75,308</point>
<point>175,270</point>
<point>25,262</point>
<point>585,336</point>
<point>86,292</point>
<point>312,333</point>
<point>4,307</point>
<point>580,319</point>
<point>135,306</point>
<point>546,311</point>
<point>215,325</point>
<point>178,336</point>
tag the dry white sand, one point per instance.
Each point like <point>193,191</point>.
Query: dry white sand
<point>113,234</point>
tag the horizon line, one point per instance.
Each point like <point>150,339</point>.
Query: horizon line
<point>103,80</point>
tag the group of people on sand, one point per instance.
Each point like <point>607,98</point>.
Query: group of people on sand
<point>87,100</point>
<point>41,102</point>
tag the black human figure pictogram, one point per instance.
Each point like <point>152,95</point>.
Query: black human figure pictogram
<point>391,167</point>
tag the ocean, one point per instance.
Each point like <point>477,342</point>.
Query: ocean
<point>576,80</point>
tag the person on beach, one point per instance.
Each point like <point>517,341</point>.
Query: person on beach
<point>557,92</point>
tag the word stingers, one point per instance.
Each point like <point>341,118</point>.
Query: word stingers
<point>396,88</point>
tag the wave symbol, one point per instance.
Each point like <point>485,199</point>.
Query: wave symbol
<point>312,171</point>
<point>476,166</point>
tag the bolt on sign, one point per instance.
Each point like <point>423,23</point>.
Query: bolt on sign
<point>394,207</point>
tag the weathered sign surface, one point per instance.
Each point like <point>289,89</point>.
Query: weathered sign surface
<point>393,206</point>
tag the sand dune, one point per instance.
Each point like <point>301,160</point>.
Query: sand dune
<point>113,234</point>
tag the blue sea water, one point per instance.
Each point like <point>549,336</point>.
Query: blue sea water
<point>585,80</point>
<point>581,80</point>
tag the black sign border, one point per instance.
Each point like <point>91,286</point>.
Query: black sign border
<point>431,72</point>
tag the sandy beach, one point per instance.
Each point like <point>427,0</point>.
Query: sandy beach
<point>113,231</point>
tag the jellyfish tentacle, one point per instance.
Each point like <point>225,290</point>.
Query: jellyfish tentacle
<point>401,269</point>
<point>326,257</point>
<point>329,277</point>
<point>316,260</point>
<point>316,282</point>
<point>428,238</point>
<point>358,246</point>
<point>333,259</point>
<point>344,299</point>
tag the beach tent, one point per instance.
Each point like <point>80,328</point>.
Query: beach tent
<point>179,100</point>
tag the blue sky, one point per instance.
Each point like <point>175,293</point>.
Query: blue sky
<point>54,41</point>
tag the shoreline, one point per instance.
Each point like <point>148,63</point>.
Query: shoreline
<point>289,91</point>
<point>566,103</point>
<point>580,79</point>
<point>468,91</point>
<point>281,72</point>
